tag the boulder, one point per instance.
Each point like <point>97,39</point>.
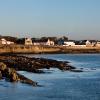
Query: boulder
<point>11,75</point>
<point>25,80</point>
<point>14,77</point>
<point>2,66</point>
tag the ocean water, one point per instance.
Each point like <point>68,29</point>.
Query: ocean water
<point>59,85</point>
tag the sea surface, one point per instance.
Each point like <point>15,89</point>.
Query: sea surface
<point>59,85</point>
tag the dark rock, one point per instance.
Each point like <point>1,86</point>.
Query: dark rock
<point>0,75</point>
<point>14,77</point>
<point>13,63</point>
<point>76,70</point>
<point>11,75</point>
<point>25,80</point>
<point>2,66</point>
<point>34,64</point>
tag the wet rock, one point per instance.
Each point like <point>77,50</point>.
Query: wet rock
<point>13,63</point>
<point>14,77</point>
<point>0,75</point>
<point>76,70</point>
<point>2,66</point>
<point>34,64</point>
<point>25,80</point>
<point>11,75</point>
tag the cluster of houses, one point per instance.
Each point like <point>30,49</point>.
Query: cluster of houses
<point>5,42</point>
<point>92,44</point>
<point>50,42</point>
<point>28,41</point>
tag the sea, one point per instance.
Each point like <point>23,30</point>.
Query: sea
<point>56,84</point>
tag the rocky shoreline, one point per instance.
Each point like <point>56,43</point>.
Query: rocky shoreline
<point>10,64</point>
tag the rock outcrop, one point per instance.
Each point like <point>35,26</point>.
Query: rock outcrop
<point>9,64</point>
<point>11,75</point>
<point>23,63</point>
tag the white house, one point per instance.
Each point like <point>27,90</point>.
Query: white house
<point>9,42</point>
<point>44,42</point>
<point>88,43</point>
<point>4,41</point>
<point>98,44</point>
<point>28,41</point>
<point>69,43</point>
<point>49,42</point>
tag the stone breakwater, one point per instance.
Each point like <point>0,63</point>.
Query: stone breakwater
<point>10,64</point>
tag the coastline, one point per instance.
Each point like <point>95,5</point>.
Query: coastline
<point>9,57</point>
<point>31,49</point>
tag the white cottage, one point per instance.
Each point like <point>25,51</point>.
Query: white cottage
<point>28,41</point>
<point>98,44</point>
<point>4,41</point>
<point>49,42</point>
<point>88,43</point>
<point>69,43</point>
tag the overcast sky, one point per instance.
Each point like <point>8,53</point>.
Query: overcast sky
<point>77,19</point>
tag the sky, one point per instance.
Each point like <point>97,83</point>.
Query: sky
<point>77,19</point>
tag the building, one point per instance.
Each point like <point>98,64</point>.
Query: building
<point>44,42</point>
<point>9,42</point>
<point>98,44</point>
<point>50,42</point>
<point>28,41</point>
<point>60,41</point>
<point>88,43</point>
<point>5,42</point>
<point>39,42</point>
<point>69,43</point>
